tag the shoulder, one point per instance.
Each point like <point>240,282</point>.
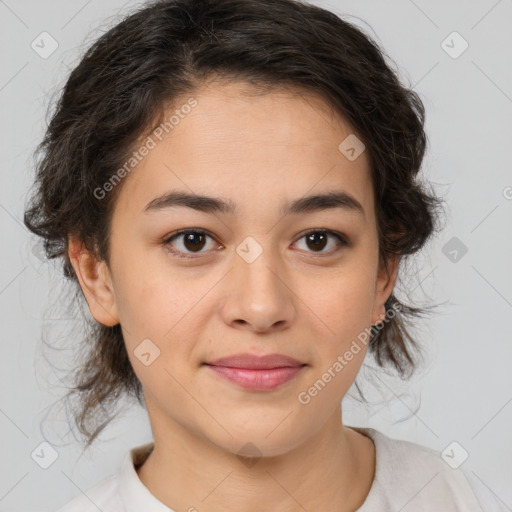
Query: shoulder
<point>119,491</point>
<point>415,477</point>
<point>101,496</point>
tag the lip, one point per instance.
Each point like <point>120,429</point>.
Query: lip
<point>254,362</point>
<point>257,373</point>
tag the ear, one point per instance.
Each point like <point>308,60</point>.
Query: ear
<point>95,281</point>
<point>385,282</point>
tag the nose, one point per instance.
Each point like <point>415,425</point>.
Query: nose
<point>258,296</point>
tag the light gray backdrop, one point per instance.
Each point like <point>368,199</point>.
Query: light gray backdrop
<point>465,393</point>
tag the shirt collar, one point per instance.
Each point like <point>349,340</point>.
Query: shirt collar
<point>377,498</point>
<point>134,495</point>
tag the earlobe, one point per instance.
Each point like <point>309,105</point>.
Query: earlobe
<point>95,282</point>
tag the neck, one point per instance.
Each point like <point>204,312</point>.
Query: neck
<point>332,470</point>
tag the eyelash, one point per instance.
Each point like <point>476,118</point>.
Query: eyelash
<point>179,254</point>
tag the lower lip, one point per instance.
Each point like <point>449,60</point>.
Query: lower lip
<point>257,380</point>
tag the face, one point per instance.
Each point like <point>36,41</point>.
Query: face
<point>270,272</point>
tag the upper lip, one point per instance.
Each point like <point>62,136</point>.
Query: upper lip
<point>254,362</point>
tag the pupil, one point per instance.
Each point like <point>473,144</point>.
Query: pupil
<point>312,236</point>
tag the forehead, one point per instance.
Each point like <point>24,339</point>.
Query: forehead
<point>257,149</point>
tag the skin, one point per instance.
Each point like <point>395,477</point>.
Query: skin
<point>294,299</point>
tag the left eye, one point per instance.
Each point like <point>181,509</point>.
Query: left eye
<point>194,240</point>
<point>318,239</point>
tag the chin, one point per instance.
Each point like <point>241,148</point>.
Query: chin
<point>261,441</point>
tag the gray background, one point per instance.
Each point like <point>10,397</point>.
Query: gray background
<point>464,393</point>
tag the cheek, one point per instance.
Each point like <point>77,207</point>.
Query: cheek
<point>345,303</point>
<point>166,314</point>
<point>145,297</point>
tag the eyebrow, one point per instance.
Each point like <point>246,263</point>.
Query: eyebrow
<point>206,204</point>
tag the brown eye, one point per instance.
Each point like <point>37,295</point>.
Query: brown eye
<point>318,240</point>
<point>187,242</point>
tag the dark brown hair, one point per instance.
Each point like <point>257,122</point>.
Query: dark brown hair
<point>127,79</point>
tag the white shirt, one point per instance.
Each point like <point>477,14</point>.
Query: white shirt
<point>408,477</point>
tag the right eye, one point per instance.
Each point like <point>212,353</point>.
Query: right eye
<point>191,239</point>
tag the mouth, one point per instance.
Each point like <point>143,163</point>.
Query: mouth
<point>255,362</point>
<point>257,373</point>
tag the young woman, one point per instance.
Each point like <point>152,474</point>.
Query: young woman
<point>232,186</point>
